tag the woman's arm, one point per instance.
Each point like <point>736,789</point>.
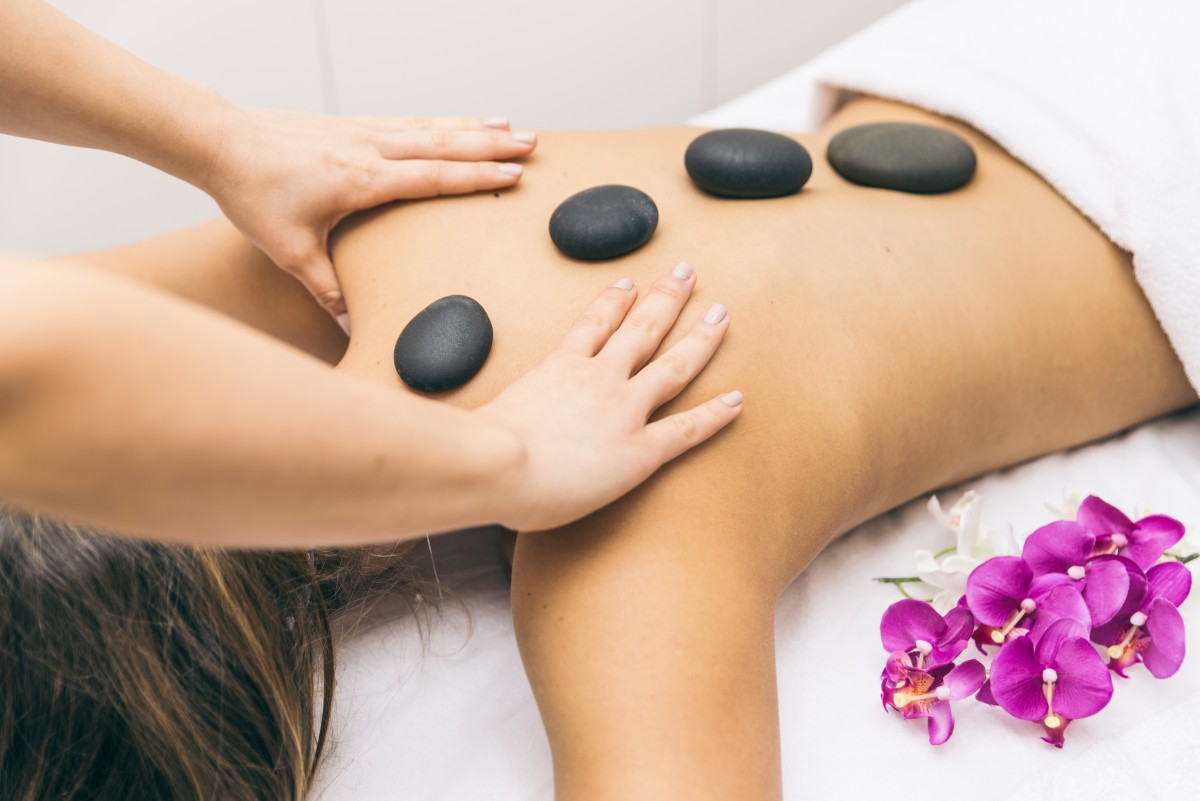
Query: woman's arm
<point>284,178</point>
<point>128,409</point>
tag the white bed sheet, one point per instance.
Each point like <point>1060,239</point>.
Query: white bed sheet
<point>458,721</point>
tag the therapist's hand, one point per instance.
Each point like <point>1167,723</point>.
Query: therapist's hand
<point>582,414</point>
<point>285,179</point>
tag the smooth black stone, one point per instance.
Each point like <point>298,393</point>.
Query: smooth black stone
<point>902,156</point>
<point>603,222</point>
<point>444,345</point>
<point>744,163</point>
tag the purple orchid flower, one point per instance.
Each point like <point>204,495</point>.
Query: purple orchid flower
<point>1149,627</point>
<point>916,693</point>
<point>1004,592</point>
<point>1065,547</point>
<point>931,640</point>
<point>1144,541</point>
<point>1059,679</point>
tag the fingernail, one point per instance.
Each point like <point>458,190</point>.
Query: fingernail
<point>495,122</point>
<point>623,283</point>
<point>683,270</point>
<point>715,314</point>
<point>343,320</point>
<point>734,398</point>
<point>511,169</point>
<point>525,137</point>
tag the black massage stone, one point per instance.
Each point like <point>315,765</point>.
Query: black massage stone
<point>902,156</point>
<point>603,222</point>
<point>444,345</point>
<point>743,163</point>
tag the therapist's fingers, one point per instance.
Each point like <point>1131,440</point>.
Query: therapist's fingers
<point>643,330</point>
<point>413,178</point>
<point>592,329</point>
<point>433,123</point>
<point>677,433</point>
<point>668,375</point>
<point>447,145</point>
<point>309,263</point>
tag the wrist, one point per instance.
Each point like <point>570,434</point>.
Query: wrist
<point>504,486</point>
<point>197,127</point>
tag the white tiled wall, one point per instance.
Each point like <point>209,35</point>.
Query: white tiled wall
<point>545,63</point>
<point>561,63</point>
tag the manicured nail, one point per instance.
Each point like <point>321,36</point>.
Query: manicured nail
<point>734,398</point>
<point>715,314</point>
<point>683,270</point>
<point>495,122</point>
<point>343,320</point>
<point>525,137</point>
<point>623,283</point>
<point>511,169</point>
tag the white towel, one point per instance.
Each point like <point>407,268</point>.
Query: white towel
<point>1101,97</point>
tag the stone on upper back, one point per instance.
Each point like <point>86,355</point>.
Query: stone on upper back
<point>603,222</point>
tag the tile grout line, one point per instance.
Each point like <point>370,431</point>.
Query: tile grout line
<point>325,58</point>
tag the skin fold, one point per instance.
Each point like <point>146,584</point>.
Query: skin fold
<point>887,344</point>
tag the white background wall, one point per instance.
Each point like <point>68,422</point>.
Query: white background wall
<point>544,63</point>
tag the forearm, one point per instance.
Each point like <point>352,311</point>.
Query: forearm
<point>156,418</point>
<point>60,82</point>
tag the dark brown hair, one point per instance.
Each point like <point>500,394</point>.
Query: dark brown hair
<point>138,669</point>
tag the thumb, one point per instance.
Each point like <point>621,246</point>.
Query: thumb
<point>316,273</point>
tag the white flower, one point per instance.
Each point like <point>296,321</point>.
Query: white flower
<point>1070,505</point>
<point>948,570</point>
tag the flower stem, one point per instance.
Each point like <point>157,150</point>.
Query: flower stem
<point>1183,560</point>
<point>898,582</point>
<point>944,551</point>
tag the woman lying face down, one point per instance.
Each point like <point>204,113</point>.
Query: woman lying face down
<point>887,344</point>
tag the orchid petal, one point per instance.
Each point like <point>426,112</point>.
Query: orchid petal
<point>935,508</point>
<point>896,666</point>
<point>1084,684</point>
<point>965,680</point>
<point>1105,588</point>
<point>1062,602</point>
<point>1051,638</point>
<point>960,623</point>
<point>1151,537</point>
<point>1004,543</point>
<point>1114,630</point>
<point>956,564</point>
<point>970,508</point>
<point>941,722</point>
<point>1016,680</point>
<point>996,588</point>
<point>1041,585</point>
<point>1102,518</point>
<point>1166,651</point>
<point>944,600</point>
<point>985,694</point>
<point>1057,546</point>
<point>907,621</point>
<point>1056,736</point>
<point>1170,581</point>
<point>925,560</point>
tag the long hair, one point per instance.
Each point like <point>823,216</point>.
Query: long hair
<point>132,669</point>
